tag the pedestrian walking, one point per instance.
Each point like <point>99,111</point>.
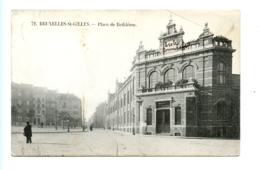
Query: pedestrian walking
<point>90,128</point>
<point>28,133</point>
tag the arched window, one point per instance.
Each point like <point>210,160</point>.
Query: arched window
<point>221,73</point>
<point>177,115</point>
<point>149,116</point>
<point>188,72</point>
<point>153,79</point>
<point>170,75</point>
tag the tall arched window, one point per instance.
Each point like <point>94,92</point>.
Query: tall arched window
<point>153,79</point>
<point>188,72</point>
<point>149,116</point>
<point>170,75</point>
<point>221,73</point>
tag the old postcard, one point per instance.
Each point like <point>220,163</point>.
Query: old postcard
<point>125,83</point>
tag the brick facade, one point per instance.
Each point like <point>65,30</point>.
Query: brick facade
<point>180,89</point>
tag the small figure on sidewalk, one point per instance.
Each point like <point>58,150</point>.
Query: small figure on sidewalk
<point>42,125</point>
<point>90,128</point>
<point>28,133</point>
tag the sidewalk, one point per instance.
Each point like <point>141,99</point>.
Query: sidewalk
<point>145,135</point>
<point>36,129</point>
<point>169,136</point>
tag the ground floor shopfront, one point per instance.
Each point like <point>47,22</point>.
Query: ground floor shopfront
<point>175,114</point>
<point>167,113</point>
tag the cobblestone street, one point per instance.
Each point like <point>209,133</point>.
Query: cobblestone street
<point>101,142</point>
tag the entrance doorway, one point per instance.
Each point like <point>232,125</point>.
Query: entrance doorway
<point>163,121</point>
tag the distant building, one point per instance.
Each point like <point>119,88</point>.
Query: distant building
<point>90,120</point>
<point>22,100</point>
<point>97,119</point>
<point>179,89</point>
<point>49,106</point>
<point>39,101</point>
<point>69,105</point>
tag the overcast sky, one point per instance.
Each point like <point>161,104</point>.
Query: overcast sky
<point>88,59</point>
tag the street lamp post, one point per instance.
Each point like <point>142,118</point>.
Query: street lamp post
<point>133,124</point>
<point>68,122</point>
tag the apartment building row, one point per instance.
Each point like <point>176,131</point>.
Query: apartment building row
<point>48,106</point>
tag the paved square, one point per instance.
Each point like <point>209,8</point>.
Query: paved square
<point>99,142</point>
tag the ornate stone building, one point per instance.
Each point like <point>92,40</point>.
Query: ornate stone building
<point>180,89</point>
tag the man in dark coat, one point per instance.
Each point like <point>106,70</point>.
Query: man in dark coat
<point>28,133</point>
